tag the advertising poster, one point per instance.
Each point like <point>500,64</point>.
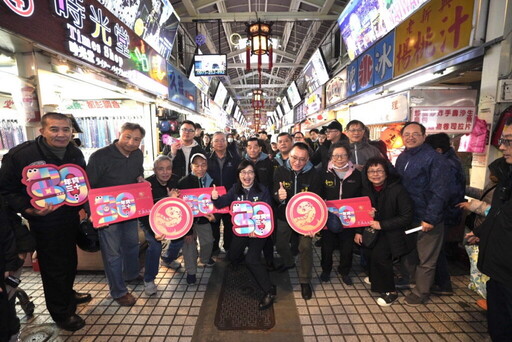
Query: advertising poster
<point>306,213</point>
<point>353,212</point>
<point>56,185</point>
<point>252,219</point>
<point>120,203</point>
<point>200,201</point>
<point>171,217</point>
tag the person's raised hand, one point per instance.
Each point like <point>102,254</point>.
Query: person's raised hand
<point>281,193</point>
<point>215,193</point>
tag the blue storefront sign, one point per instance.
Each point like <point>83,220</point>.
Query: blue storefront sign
<point>365,64</point>
<point>352,78</point>
<point>384,52</point>
<point>181,90</point>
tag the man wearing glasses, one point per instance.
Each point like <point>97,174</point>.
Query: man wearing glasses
<point>424,176</point>
<point>181,150</point>
<point>360,150</point>
<point>495,254</point>
<point>334,133</point>
<point>297,175</point>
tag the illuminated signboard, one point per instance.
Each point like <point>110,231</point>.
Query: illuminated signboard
<point>154,21</point>
<point>87,31</point>
<point>363,22</point>
<point>181,90</point>
<point>293,94</point>
<point>220,94</point>
<point>229,106</point>
<point>210,65</point>
<point>315,72</point>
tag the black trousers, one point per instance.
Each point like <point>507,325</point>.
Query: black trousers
<point>346,244</point>
<point>56,252</point>
<point>252,258</point>
<point>228,232</point>
<point>380,265</point>
<point>499,312</point>
<point>9,322</point>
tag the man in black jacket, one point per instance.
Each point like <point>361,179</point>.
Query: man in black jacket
<point>55,230</point>
<point>181,150</point>
<point>495,254</point>
<point>334,132</point>
<point>297,175</point>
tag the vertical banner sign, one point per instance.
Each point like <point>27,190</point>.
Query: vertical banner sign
<point>306,213</point>
<point>366,63</point>
<point>252,219</point>
<point>384,52</point>
<point>353,212</point>
<point>438,29</point>
<point>120,203</point>
<point>55,185</point>
<point>200,201</point>
<point>352,78</point>
<point>171,217</point>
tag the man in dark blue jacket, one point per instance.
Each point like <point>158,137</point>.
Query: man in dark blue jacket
<point>222,165</point>
<point>424,175</point>
<point>453,214</point>
<point>495,256</point>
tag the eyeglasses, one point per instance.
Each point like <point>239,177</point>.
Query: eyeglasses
<point>505,142</point>
<point>247,173</point>
<point>339,156</point>
<point>415,135</point>
<point>297,159</point>
<point>219,141</point>
<point>327,131</point>
<point>375,172</point>
<point>356,130</point>
<point>188,130</point>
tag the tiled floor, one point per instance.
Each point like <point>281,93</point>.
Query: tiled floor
<point>336,313</point>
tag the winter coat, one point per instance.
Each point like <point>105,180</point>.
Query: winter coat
<point>424,176</point>
<point>179,164</point>
<point>227,175</point>
<point>257,193</point>
<point>264,169</point>
<point>191,181</point>
<point>335,188</point>
<point>361,151</point>
<point>456,189</point>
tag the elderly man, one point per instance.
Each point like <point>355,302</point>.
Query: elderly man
<point>120,163</point>
<point>297,175</point>
<point>423,173</point>
<point>55,230</point>
<point>495,254</point>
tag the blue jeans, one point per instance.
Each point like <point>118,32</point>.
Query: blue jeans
<point>120,252</point>
<point>172,251</point>
<point>153,253</point>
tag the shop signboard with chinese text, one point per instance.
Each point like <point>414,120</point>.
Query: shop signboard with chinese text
<point>87,31</point>
<point>336,89</point>
<point>314,102</point>
<point>181,90</point>
<point>365,65</point>
<point>384,52</point>
<point>439,29</point>
<point>394,108</point>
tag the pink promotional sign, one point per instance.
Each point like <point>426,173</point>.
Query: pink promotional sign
<point>306,213</point>
<point>353,212</point>
<point>171,217</point>
<point>252,219</point>
<point>200,200</point>
<point>56,185</point>
<point>120,203</point>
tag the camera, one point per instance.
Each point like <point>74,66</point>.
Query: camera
<point>12,281</point>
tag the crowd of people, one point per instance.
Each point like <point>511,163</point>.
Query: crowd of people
<point>425,188</point>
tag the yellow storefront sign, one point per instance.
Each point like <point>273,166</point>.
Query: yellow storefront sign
<point>438,29</point>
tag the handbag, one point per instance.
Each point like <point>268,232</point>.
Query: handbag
<point>369,237</point>
<point>334,223</point>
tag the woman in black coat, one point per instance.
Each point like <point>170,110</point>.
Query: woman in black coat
<point>247,188</point>
<point>392,215</point>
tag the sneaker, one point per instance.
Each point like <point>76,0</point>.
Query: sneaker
<point>126,300</point>
<point>439,291</point>
<point>325,277</point>
<point>191,279</point>
<point>367,280</point>
<point>386,299</point>
<point>209,263</point>
<point>150,288</point>
<point>402,284</point>
<point>175,265</point>
<point>413,300</point>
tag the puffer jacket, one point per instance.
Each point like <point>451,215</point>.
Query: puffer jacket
<point>456,189</point>
<point>361,151</point>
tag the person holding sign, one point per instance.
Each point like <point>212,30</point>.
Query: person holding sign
<point>392,215</point>
<point>296,175</point>
<point>162,185</point>
<point>120,163</point>
<point>202,229</point>
<point>247,188</point>
<point>341,180</point>
<point>55,229</point>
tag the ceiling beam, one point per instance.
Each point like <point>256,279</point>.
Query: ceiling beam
<point>275,65</point>
<point>276,51</point>
<point>254,16</point>
<point>254,86</point>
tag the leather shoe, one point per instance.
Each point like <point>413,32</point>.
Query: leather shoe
<point>126,300</point>
<point>306,291</point>
<point>266,301</point>
<point>283,268</point>
<point>270,266</point>
<point>347,280</point>
<point>81,298</point>
<point>72,323</point>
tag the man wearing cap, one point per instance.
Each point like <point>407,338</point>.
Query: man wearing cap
<point>202,229</point>
<point>181,150</point>
<point>334,132</point>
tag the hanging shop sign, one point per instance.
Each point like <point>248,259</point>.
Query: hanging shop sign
<point>298,113</point>
<point>438,29</point>
<point>87,31</point>
<point>252,219</point>
<point>336,89</point>
<point>394,108</point>
<point>181,90</point>
<point>154,21</point>
<point>314,102</point>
